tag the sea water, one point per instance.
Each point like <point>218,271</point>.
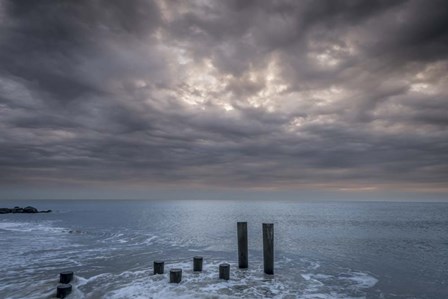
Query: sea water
<point>322,249</point>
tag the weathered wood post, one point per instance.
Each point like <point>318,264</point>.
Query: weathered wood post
<point>66,276</point>
<point>268,248</point>
<point>175,275</point>
<point>224,271</point>
<point>197,263</point>
<point>63,290</point>
<point>242,244</point>
<point>158,267</point>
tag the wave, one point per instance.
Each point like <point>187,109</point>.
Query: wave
<point>31,227</point>
<point>250,283</point>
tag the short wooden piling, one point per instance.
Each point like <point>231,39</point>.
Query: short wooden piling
<point>197,263</point>
<point>242,245</point>
<point>268,248</point>
<point>63,290</point>
<point>224,271</point>
<point>66,276</point>
<point>175,275</point>
<point>158,267</point>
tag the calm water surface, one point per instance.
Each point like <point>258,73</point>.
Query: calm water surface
<point>322,249</point>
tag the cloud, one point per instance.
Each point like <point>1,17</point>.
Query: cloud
<point>255,94</point>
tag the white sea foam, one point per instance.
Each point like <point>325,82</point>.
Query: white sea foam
<point>141,284</point>
<point>250,283</point>
<point>126,238</point>
<point>148,241</point>
<point>363,280</point>
<point>31,227</point>
<point>331,295</point>
<point>320,285</point>
<point>115,238</point>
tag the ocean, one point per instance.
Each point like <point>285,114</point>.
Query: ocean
<point>322,249</point>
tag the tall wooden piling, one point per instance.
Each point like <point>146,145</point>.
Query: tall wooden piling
<point>242,245</point>
<point>224,271</point>
<point>197,263</point>
<point>175,275</point>
<point>66,276</point>
<point>158,267</point>
<point>63,290</point>
<point>268,248</point>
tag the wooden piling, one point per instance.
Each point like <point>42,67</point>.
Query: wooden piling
<point>66,276</point>
<point>175,275</point>
<point>63,290</point>
<point>197,263</point>
<point>158,267</point>
<point>242,245</point>
<point>224,271</point>
<point>268,248</point>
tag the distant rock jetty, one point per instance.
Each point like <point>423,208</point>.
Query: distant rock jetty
<point>19,210</point>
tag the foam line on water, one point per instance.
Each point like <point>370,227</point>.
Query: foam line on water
<point>320,285</point>
<point>248,283</point>
<point>138,284</point>
<point>31,227</point>
<point>363,280</point>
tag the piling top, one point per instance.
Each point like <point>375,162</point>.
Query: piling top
<point>67,273</point>
<point>158,262</point>
<point>198,257</point>
<point>176,270</point>
<point>224,265</point>
<point>64,286</point>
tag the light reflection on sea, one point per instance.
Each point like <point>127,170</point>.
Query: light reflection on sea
<point>323,250</point>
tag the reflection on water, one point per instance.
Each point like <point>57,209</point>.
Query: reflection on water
<point>323,250</point>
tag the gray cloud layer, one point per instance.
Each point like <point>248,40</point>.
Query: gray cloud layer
<point>266,94</point>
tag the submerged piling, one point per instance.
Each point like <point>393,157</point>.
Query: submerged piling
<point>197,263</point>
<point>224,271</point>
<point>158,267</point>
<point>175,275</point>
<point>66,276</point>
<point>242,245</point>
<point>268,248</point>
<point>63,290</point>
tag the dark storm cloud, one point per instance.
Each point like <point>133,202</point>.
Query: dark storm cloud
<point>306,94</point>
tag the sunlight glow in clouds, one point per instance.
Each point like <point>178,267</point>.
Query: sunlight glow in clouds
<point>335,95</point>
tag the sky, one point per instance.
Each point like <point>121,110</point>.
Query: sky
<point>296,99</point>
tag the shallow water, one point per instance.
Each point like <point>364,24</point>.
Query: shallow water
<point>322,249</point>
